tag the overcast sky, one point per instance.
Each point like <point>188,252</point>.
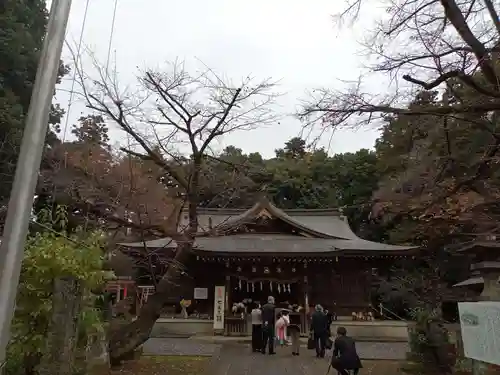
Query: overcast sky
<point>294,41</point>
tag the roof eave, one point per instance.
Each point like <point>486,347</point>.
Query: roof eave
<point>326,254</point>
<point>377,253</point>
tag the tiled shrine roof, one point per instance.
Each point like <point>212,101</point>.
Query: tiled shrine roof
<point>325,231</point>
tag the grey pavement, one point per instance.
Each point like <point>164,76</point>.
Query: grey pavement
<point>176,346</point>
<point>237,360</point>
<point>382,350</point>
<point>180,346</point>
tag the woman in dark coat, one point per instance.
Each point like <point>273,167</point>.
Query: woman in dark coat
<point>294,329</point>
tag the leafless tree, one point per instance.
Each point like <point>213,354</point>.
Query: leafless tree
<point>427,44</point>
<point>173,119</point>
<point>444,45</point>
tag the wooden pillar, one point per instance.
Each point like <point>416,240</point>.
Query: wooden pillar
<point>228,291</point>
<point>305,319</point>
<point>306,293</point>
<point>118,291</point>
<point>226,304</point>
<point>369,283</point>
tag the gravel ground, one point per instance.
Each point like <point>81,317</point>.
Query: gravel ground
<point>382,350</point>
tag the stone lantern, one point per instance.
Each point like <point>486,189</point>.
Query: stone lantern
<point>485,266</point>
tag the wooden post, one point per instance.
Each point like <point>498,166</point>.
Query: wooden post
<point>227,297</point>
<point>63,330</point>
<point>226,305</point>
<point>306,305</point>
<point>306,294</point>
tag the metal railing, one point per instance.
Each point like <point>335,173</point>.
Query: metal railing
<point>382,311</point>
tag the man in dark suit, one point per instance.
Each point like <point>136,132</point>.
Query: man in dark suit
<point>345,357</point>
<point>268,322</point>
<point>330,320</point>
<point>319,329</point>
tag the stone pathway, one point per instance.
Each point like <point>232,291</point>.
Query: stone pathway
<point>179,346</point>
<point>174,346</point>
<point>236,360</point>
<point>382,350</point>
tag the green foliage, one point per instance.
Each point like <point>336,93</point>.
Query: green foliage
<point>22,29</point>
<point>50,255</point>
<point>295,178</point>
<point>436,170</point>
<point>428,336</point>
<point>439,185</point>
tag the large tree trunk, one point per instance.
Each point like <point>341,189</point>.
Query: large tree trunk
<point>123,343</point>
<point>63,331</point>
<point>127,338</point>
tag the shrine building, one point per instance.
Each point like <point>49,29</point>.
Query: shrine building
<point>302,257</point>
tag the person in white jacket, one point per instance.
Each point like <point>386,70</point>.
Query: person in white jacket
<point>256,315</point>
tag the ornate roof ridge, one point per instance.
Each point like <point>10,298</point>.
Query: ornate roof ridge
<point>334,211</point>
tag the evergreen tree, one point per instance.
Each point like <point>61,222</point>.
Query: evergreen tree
<point>22,29</point>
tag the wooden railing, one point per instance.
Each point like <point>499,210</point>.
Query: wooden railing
<point>384,312</point>
<point>236,326</point>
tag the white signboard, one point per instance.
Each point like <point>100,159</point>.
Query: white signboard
<point>219,298</point>
<point>480,326</point>
<point>200,293</point>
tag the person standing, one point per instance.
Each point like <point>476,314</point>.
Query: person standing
<point>268,322</point>
<point>281,326</point>
<point>329,316</point>
<point>256,315</point>
<point>334,312</point>
<point>294,329</point>
<point>345,357</point>
<point>319,329</point>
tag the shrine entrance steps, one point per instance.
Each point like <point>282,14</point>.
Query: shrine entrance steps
<point>395,351</point>
<point>375,349</point>
<point>370,331</point>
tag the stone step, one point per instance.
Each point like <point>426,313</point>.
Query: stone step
<point>381,339</point>
<point>170,335</point>
<point>248,339</point>
<point>373,350</point>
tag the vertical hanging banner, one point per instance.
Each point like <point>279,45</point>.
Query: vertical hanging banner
<point>219,297</point>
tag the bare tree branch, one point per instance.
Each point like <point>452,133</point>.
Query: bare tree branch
<point>172,109</point>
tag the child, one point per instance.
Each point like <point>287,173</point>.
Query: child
<point>281,325</point>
